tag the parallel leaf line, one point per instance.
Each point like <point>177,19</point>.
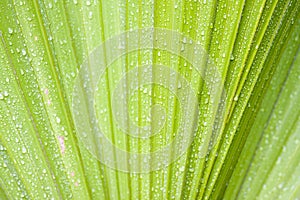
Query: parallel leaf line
<point>59,88</point>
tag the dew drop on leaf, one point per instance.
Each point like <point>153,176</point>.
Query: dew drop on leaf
<point>90,15</point>
<point>23,52</point>
<point>58,120</point>
<point>231,57</point>
<point>236,98</point>
<point>10,30</point>
<point>24,150</point>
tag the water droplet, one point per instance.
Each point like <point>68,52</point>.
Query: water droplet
<point>145,91</point>
<point>231,57</point>
<point>179,84</point>
<point>1,96</point>
<point>90,15</point>
<point>181,168</point>
<point>5,93</point>
<point>23,52</point>
<point>182,48</point>
<point>88,3</point>
<point>10,31</point>
<point>24,150</point>
<point>58,120</point>
<point>50,5</point>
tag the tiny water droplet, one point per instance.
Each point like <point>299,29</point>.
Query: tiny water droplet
<point>58,120</point>
<point>23,52</point>
<point>24,150</point>
<point>231,57</point>
<point>5,93</point>
<point>181,168</point>
<point>179,85</point>
<point>90,15</point>
<point>145,91</point>
<point>182,48</point>
<point>10,31</point>
<point>236,98</point>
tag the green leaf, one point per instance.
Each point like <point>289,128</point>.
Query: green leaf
<point>245,143</point>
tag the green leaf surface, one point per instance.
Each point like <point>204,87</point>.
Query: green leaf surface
<point>253,153</point>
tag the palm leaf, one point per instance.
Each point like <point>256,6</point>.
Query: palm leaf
<point>254,47</point>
